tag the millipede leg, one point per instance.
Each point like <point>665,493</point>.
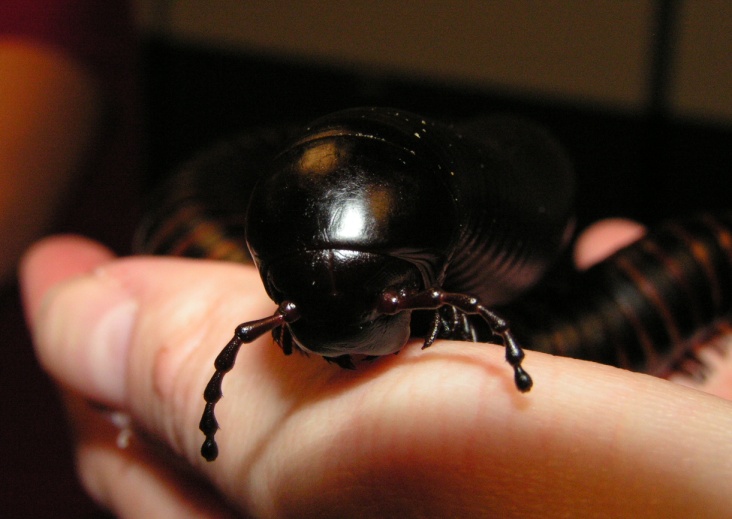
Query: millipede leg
<point>514,352</point>
<point>433,331</point>
<point>244,333</point>
<point>392,302</point>
<point>499,326</point>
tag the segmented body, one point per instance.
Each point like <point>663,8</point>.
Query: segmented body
<point>642,309</point>
<point>646,306</point>
<point>437,222</point>
<point>483,232</point>
<point>198,212</point>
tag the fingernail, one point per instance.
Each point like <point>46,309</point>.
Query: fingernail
<point>83,334</point>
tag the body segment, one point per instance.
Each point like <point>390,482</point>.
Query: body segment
<point>373,218</point>
<point>646,306</point>
<point>374,224</point>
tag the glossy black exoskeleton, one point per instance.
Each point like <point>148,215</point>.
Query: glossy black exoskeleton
<point>373,215</point>
<point>645,308</point>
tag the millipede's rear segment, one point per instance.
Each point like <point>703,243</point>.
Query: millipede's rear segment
<point>645,307</point>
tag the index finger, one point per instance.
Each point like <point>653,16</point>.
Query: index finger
<point>411,429</point>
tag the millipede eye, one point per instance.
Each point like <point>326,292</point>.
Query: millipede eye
<point>388,302</point>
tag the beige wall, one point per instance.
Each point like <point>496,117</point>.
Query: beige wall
<point>704,66</point>
<point>591,52</point>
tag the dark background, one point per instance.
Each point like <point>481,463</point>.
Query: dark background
<point>644,165</point>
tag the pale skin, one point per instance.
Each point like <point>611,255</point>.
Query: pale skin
<point>439,432</point>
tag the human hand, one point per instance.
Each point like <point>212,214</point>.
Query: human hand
<point>439,432</point>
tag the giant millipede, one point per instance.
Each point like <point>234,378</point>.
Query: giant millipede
<point>372,225</point>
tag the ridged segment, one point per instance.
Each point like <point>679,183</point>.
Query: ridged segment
<point>643,307</point>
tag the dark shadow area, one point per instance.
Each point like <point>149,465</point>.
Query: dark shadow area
<point>635,165</point>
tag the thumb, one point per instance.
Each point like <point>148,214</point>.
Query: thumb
<point>47,269</point>
<point>137,334</point>
<point>53,260</point>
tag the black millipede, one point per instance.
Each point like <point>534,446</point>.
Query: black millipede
<point>373,225</point>
<point>644,308</point>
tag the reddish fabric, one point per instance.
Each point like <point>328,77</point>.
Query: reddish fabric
<point>37,464</point>
<point>100,35</point>
<point>96,33</point>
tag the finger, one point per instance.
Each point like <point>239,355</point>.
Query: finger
<point>47,269</point>
<point>442,432</point>
<point>129,479</point>
<point>301,435</point>
<point>141,333</point>
<point>603,238</point>
<point>55,259</point>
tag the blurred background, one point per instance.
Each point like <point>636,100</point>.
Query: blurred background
<point>639,91</point>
